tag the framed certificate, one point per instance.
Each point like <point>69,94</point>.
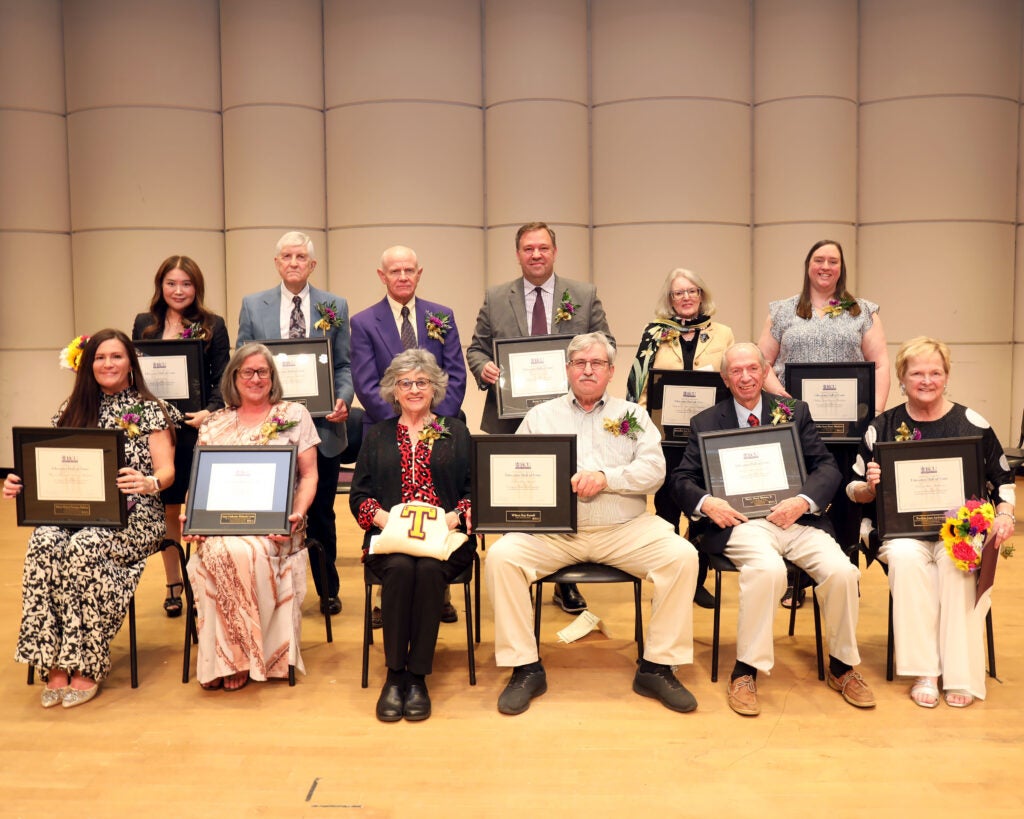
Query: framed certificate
<point>522,483</point>
<point>241,490</point>
<point>175,371</point>
<point>753,468</point>
<point>841,397</point>
<point>675,396</point>
<point>532,372</point>
<point>306,369</point>
<point>69,476</point>
<point>922,480</point>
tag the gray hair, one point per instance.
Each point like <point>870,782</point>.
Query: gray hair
<point>295,237</point>
<point>414,360</point>
<point>746,345</point>
<point>664,307</point>
<point>228,389</point>
<point>397,250</point>
<point>581,342</point>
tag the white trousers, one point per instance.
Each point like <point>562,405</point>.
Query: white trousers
<point>938,630</point>
<point>757,548</point>
<point>646,547</point>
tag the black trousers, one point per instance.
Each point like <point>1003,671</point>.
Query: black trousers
<point>666,508</point>
<point>321,523</point>
<point>411,596</point>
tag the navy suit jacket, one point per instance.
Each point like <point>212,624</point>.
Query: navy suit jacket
<point>260,319</point>
<point>687,479</point>
<point>375,342</point>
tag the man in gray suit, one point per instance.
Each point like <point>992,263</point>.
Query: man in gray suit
<point>293,310</point>
<point>535,304</point>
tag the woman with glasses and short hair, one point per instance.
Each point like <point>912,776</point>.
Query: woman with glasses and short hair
<point>414,457</point>
<point>681,337</point>
<point>249,588</point>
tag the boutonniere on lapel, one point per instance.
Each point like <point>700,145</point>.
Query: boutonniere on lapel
<point>129,420</point>
<point>328,315</point>
<point>433,431</point>
<point>193,331</point>
<point>270,429</point>
<point>835,307</point>
<point>625,425</point>
<point>903,433</point>
<point>782,411</point>
<point>438,325</point>
<point>664,335</point>
<point>566,309</point>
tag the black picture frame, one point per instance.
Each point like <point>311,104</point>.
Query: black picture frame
<point>93,502</point>
<point>509,355</point>
<point>156,353</point>
<point>829,425</point>
<point>682,386</point>
<point>900,516</point>
<point>756,502</point>
<point>318,402</point>
<point>494,455</point>
<point>272,466</point>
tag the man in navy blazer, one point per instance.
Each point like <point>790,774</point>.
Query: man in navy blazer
<point>377,337</point>
<point>275,313</point>
<point>795,529</point>
<point>509,311</point>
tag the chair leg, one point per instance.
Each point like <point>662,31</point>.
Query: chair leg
<point>367,634</point>
<point>31,674</point>
<point>538,596</point>
<point>133,653</point>
<point>322,560</point>
<point>991,640</point>
<point>476,588</point>
<point>817,634</point>
<point>715,629</point>
<point>470,647</point>
<point>793,599</point>
<point>638,622</point>
<point>890,646</point>
<point>291,675</point>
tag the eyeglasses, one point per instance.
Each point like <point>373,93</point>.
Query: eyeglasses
<point>580,364</point>
<point>406,384</point>
<point>249,373</point>
<point>689,293</point>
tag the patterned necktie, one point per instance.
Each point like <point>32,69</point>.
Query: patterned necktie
<point>753,420</point>
<point>408,336</point>
<point>539,326</point>
<point>297,322</point>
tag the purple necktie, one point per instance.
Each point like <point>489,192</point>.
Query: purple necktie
<point>539,327</point>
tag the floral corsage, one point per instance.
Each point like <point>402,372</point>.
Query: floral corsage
<point>129,420</point>
<point>964,534</point>
<point>433,431</point>
<point>835,307</point>
<point>438,325</point>
<point>782,411</point>
<point>566,309</point>
<point>193,330</point>
<point>71,356</point>
<point>270,429</point>
<point>903,433</point>
<point>625,425</point>
<point>328,316</point>
<point>665,335</point>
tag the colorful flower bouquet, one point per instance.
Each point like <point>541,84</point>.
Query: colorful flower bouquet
<point>965,531</point>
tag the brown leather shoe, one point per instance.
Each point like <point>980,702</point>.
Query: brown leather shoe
<point>853,688</point>
<point>743,696</point>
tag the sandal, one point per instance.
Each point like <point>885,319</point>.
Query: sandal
<point>925,692</point>
<point>172,605</point>
<point>213,685</point>
<point>238,681</point>
<point>957,692</point>
<point>791,601</point>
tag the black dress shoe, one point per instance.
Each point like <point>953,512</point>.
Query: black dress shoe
<point>703,598</point>
<point>569,598</point>
<point>449,614</point>
<point>332,606</point>
<point>661,684</point>
<point>523,687</point>
<point>391,703</point>
<point>417,702</point>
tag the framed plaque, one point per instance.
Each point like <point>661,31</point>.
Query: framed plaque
<point>675,396</point>
<point>922,480</point>
<point>532,372</point>
<point>69,476</point>
<point>306,369</point>
<point>753,468</point>
<point>522,483</point>
<point>175,371</point>
<point>841,397</point>
<point>241,490</point>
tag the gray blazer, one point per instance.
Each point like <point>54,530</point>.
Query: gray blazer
<point>503,315</point>
<point>260,319</point>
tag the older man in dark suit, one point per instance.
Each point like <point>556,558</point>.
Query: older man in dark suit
<point>795,529</point>
<point>529,306</point>
<point>292,310</point>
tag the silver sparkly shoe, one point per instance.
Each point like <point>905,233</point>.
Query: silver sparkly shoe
<point>74,696</point>
<point>53,696</point>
